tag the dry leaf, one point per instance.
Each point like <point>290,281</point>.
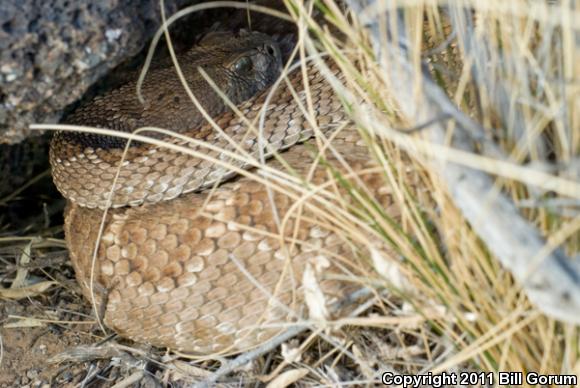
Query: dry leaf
<point>24,322</point>
<point>313,295</point>
<point>26,292</point>
<point>389,270</point>
<point>189,370</point>
<point>291,353</point>
<point>287,378</point>
<point>320,263</point>
<point>22,272</point>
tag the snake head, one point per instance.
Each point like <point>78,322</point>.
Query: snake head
<point>240,65</point>
<point>250,62</point>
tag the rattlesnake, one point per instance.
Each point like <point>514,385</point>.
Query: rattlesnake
<point>212,271</point>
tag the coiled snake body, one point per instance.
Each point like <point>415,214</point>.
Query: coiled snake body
<point>218,270</point>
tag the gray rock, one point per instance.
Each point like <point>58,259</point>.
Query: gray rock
<point>51,51</point>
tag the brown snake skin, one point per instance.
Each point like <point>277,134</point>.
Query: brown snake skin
<point>212,271</point>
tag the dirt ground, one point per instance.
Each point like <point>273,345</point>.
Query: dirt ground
<point>38,324</point>
<point>27,349</point>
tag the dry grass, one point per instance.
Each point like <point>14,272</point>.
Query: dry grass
<point>524,96</point>
<point>444,301</point>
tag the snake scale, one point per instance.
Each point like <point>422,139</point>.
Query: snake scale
<point>213,270</point>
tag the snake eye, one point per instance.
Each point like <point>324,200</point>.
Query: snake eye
<point>243,65</point>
